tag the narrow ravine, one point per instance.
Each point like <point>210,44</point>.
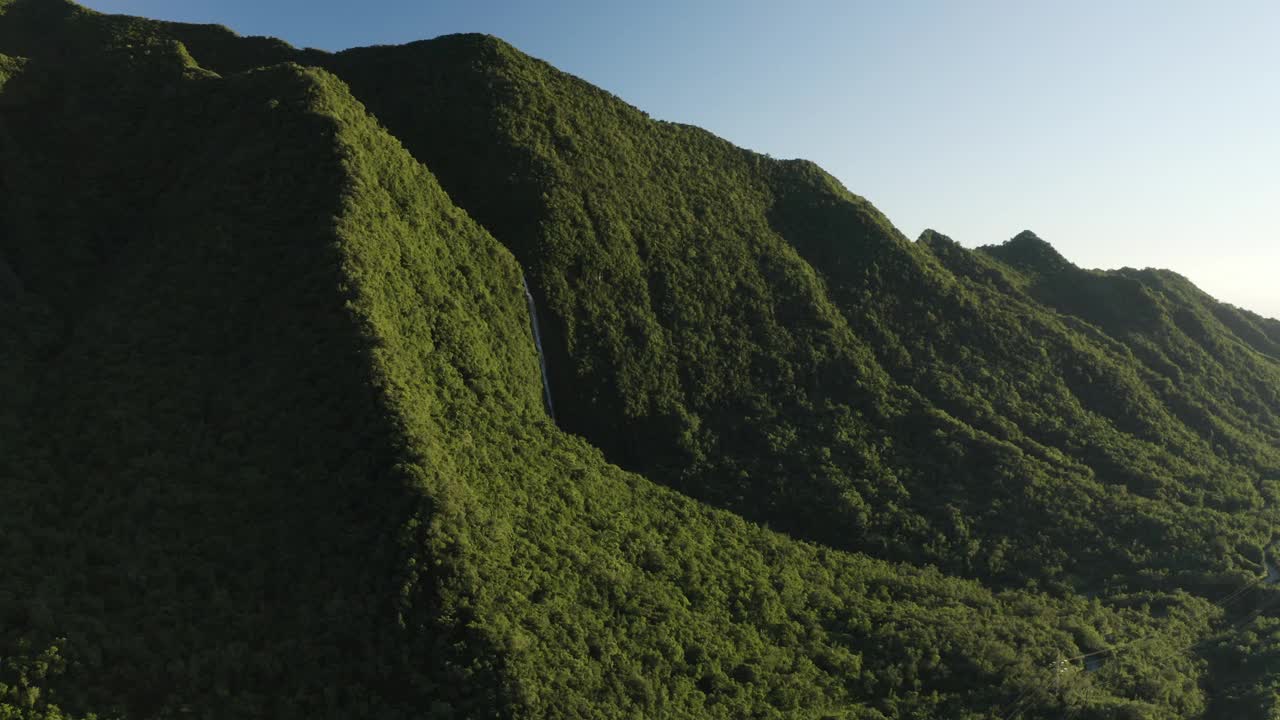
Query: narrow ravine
<point>537,342</point>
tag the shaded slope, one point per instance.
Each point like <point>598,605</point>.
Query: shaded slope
<point>1215,365</point>
<point>1121,481</point>
<point>208,497</point>
<point>1131,484</point>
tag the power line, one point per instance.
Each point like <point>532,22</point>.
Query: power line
<point>1220,604</point>
<point>1015,710</point>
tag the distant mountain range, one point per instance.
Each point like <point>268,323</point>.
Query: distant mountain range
<point>275,440</point>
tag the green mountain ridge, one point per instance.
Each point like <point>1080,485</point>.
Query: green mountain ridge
<point>273,442</point>
<point>683,424</point>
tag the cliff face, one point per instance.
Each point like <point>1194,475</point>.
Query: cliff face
<point>274,441</point>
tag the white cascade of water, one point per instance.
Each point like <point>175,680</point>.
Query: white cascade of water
<point>537,341</point>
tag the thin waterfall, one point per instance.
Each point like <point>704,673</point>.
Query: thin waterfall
<point>537,342</point>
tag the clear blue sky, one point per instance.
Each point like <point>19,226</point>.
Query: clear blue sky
<point>1134,133</point>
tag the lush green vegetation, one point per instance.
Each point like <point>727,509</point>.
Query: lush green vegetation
<point>749,332</point>
<point>272,441</point>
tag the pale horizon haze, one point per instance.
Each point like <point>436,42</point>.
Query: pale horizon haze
<point>1138,134</point>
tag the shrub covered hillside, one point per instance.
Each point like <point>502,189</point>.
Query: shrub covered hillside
<point>775,347</point>
<point>273,444</point>
<point>749,332</point>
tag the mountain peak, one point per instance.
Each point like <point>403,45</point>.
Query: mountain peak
<point>1028,239</point>
<point>1026,251</point>
<point>932,238</point>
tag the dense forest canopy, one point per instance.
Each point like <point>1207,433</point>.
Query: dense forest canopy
<point>273,440</point>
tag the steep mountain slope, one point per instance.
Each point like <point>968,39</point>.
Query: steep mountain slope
<point>207,495</point>
<point>275,446</point>
<point>1215,366</point>
<point>749,332</point>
